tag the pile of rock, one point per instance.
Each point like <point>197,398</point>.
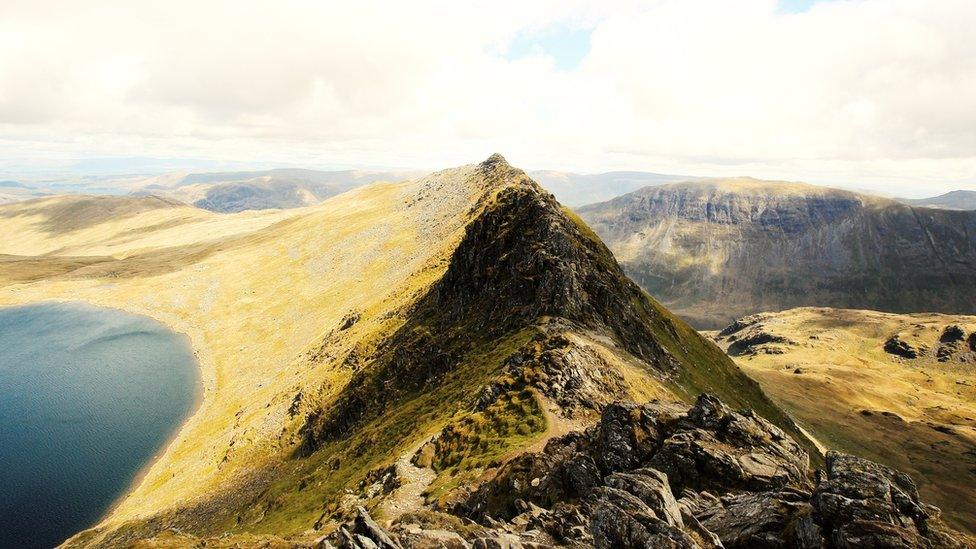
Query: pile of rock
<point>951,346</point>
<point>666,475</point>
<point>896,346</point>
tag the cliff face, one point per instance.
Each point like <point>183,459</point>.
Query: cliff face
<point>713,251</point>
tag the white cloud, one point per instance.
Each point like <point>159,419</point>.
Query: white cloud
<point>878,92</point>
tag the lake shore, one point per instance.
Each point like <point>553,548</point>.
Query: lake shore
<point>205,384</point>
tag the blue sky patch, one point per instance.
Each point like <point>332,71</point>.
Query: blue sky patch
<point>795,6</point>
<point>567,46</point>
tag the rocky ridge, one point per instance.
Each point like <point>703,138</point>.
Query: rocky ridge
<point>668,475</point>
<point>419,395</point>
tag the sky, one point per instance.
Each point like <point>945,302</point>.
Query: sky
<point>872,94</point>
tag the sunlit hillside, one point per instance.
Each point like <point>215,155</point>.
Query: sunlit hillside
<point>334,340</point>
<point>850,378</point>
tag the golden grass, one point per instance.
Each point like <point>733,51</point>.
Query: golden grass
<point>267,290</point>
<point>916,415</point>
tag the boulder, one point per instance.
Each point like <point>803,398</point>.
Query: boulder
<point>718,449</point>
<point>620,519</point>
<point>864,504</point>
<point>766,519</point>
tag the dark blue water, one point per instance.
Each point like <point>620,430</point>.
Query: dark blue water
<point>87,397</point>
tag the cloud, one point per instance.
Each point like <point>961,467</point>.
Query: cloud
<point>872,91</point>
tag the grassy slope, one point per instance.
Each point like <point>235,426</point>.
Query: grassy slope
<point>271,286</point>
<point>916,415</point>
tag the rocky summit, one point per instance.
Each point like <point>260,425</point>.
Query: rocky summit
<point>669,475</point>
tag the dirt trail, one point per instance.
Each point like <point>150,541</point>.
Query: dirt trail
<point>413,481</point>
<point>556,424</point>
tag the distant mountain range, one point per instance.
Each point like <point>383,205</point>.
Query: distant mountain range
<point>953,200</point>
<point>283,188</point>
<point>228,192</point>
<point>291,188</point>
<point>576,189</point>
<point>14,191</point>
<point>719,249</point>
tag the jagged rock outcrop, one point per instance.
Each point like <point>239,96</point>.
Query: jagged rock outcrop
<point>573,376</point>
<point>743,483</point>
<point>950,345</point>
<point>896,346</point>
<point>715,250</point>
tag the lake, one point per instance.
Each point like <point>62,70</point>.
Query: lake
<point>87,397</point>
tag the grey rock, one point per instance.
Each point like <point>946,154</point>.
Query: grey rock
<point>766,519</point>
<point>652,488</point>
<point>621,520</point>
<point>864,504</point>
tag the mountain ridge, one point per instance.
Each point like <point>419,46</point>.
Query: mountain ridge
<point>400,344</point>
<point>714,251</point>
<point>428,293</point>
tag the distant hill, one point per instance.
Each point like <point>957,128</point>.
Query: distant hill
<point>574,189</point>
<point>69,213</point>
<point>283,188</point>
<point>952,200</point>
<point>718,249</point>
<point>15,191</point>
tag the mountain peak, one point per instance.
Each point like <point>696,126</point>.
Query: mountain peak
<point>495,160</point>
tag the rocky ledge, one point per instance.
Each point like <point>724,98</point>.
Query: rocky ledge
<point>669,475</point>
